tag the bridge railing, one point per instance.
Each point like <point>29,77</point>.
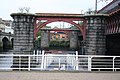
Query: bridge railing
<point>60,62</point>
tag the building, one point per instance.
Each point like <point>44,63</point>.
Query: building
<point>6,35</point>
<point>59,35</point>
<point>2,26</point>
<point>6,26</point>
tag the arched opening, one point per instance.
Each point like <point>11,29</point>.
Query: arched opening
<point>12,43</point>
<point>6,44</point>
<point>58,37</point>
<point>50,21</point>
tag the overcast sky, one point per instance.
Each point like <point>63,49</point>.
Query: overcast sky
<point>46,6</point>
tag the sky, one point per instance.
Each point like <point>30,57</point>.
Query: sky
<point>47,6</point>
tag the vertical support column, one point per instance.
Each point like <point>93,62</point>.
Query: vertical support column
<point>89,63</point>
<point>73,40</point>
<point>29,63</point>
<point>23,36</point>
<point>45,61</point>
<point>44,39</point>
<point>114,64</point>
<point>42,61</point>
<point>95,34</point>
<point>59,60</point>
<point>23,32</point>
<point>77,67</point>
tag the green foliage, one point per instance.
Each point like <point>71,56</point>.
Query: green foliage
<point>56,43</point>
<point>73,27</point>
<point>83,43</point>
<point>81,24</point>
<point>39,32</point>
<point>37,43</point>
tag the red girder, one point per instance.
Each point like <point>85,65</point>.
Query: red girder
<point>65,30</point>
<point>68,20</point>
<point>113,22</point>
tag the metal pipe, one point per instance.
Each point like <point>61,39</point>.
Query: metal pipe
<point>95,6</point>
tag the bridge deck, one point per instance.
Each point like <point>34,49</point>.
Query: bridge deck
<point>37,75</point>
<point>58,15</point>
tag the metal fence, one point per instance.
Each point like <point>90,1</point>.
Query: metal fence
<point>68,62</point>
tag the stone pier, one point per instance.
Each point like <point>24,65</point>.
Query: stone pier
<point>44,39</point>
<point>23,37</point>
<point>23,33</point>
<point>95,34</point>
<point>73,40</point>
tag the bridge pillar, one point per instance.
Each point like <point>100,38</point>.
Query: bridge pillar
<point>23,37</point>
<point>44,39</point>
<point>23,33</point>
<point>73,40</point>
<point>95,34</point>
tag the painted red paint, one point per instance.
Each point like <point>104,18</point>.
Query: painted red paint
<point>68,20</point>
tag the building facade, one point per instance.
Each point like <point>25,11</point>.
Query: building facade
<point>6,26</point>
<point>6,35</point>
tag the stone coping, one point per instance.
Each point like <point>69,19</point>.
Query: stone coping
<point>57,15</point>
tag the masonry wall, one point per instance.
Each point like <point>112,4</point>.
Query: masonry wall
<point>5,41</point>
<point>73,40</point>
<point>23,33</point>
<point>44,39</point>
<point>95,35</point>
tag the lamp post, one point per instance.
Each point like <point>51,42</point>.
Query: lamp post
<point>96,1</point>
<point>95,6</point>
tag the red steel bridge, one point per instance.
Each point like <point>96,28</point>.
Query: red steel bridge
<point>112,30</point>
<point>113,20</point>
<point>54,17</point>
<point>100,32</point>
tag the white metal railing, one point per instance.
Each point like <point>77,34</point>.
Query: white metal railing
<point>59,62</point>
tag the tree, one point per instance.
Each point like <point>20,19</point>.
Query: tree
<point>24,9</point>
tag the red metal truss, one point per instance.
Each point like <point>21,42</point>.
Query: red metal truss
<point>50,20</point>
<point>113,22</point>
